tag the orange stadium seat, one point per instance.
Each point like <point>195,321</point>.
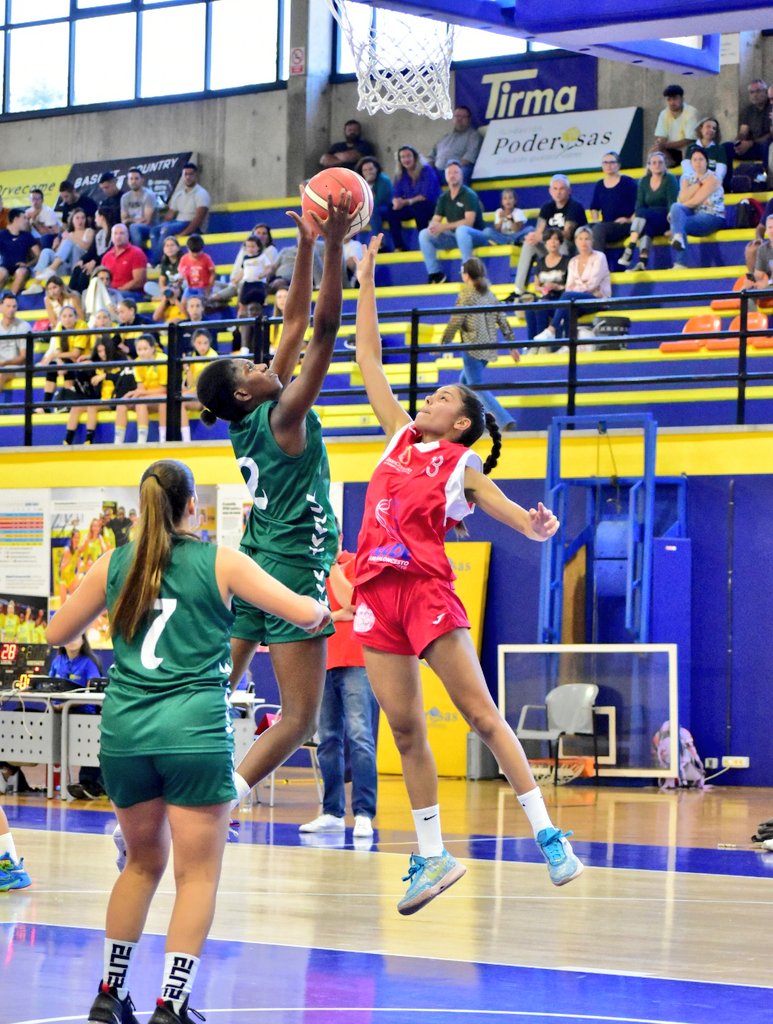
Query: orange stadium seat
<point>707,324</point>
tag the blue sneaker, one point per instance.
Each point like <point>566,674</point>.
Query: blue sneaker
<point>562,863</point>
<point>12,875</point>
<point>428,877</point>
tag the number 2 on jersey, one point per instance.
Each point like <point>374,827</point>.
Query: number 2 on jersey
<point>148,656</point>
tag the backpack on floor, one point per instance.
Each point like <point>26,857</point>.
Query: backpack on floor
<point>691,770</point>
<point>748,213</point>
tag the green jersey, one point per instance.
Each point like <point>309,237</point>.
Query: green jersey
<point>291,517</point>
<point>168,687</point>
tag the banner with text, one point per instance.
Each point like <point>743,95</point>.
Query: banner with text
<point>560,143</point>
<point>161,172</point>
<point>546,86</point>
<point>15,185</point>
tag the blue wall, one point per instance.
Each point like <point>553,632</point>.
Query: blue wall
<point>744,691</point>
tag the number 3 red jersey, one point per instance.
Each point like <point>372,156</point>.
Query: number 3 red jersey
<point>415,496</point>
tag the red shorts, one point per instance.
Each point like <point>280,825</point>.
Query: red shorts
<point>402,614</point>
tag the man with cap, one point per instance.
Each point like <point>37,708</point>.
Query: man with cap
<point>562,212</point>
<point>457,221</point>
<point>111,195</point>
<point>676,127</point>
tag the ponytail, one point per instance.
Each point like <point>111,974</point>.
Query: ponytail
<point>496,443</point>
<point>472,408</point>
<point>165,489</point>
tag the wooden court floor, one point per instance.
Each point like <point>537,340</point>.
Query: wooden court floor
<point>670,921</point>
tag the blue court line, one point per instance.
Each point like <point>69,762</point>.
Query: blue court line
<point>751,863</point>
<point>261,982</point>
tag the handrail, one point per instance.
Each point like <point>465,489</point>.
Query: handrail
<point>572,380</point>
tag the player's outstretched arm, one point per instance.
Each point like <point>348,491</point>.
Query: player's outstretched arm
<point>82,607</point>
<point>536,524</point>
<point>238,574</point>
<point>388,410</point>
<point>298,303</point>
<point>288,418</point>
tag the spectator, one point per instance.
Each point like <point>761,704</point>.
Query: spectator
<point>57,296</point>
<point>461,144</point>
<point>285,264</point>
<point>588,277</point>
<point>222,296</point>
<point>754,131</point>
<point>168,268</point>
<point>3,216</point>
<point>263,233</point>
<point>139,210</point>
<point>349,152</point>
<point>44,224</point>
<point>414,194</point>
<point>458,220</point>
<point>127,263</point>
<point>187,211</point>
<point>78,663</point>
<point>763,269</point>
<point>699,209</point>
<point>151,382</point>
<point>561,212</point>
<point>550,275</point>
<point>251,338</point>
<point>479,328</point>
<point>676,127</point>
<point>202,349</point>
<point>197,269</point>
<point>655,194</point>
<point>510,224</point>
<point>84,268</point>
<point>708,138</point>
<point>348,716</point>
<point>65,351</point>
<point>19,252</point>
<point>251,278</point>
<point>129,317</point>
<point>381,187</point>
<point>100,293</point>
<point>76,242</point>
<point>69,200</point>
<point>12,340</point>
<point>121,526</point>
<point>100,382</point>
<point>170,305</point>
<point>111,195</point>
<point>612,205</point>
<point>760,234</point>
<point>194,317</point>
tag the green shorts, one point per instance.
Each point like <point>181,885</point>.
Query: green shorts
<point>184,779</point>
<point>261,628</point>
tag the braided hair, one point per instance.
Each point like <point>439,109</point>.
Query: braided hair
<point>215,390</point>
<point>480,420</point>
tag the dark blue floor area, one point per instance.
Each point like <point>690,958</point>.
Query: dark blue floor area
<point>54,817</point>
<point>248,982</point>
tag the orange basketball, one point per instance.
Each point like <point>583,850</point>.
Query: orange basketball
<point>330,182</point>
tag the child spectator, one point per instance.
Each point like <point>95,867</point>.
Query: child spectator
<point>197,269</point>
<point>251,279</point>
<point>510,223</point>
<point>151,381</point>
<point>65,351</point>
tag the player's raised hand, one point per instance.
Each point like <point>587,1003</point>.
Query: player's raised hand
<point>543,523</point>
<point>337,225</point>
<point>366,267</point>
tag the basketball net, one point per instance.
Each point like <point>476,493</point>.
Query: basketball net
<point>405,64</point>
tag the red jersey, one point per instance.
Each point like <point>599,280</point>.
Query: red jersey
<point>344,650</point>
<point>197,269</point>
<point>414,497</point>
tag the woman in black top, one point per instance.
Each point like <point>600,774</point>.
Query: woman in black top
<point>550,280</point>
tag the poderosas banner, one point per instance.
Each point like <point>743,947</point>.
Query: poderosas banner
<point>161,174</point>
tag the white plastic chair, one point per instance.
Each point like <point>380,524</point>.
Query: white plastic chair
<point>569,712</point>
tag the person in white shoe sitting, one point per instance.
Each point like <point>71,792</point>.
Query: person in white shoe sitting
<point>348,714</point>
<point>588,277</point>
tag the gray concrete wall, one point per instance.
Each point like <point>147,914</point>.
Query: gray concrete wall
<point>259,145</point>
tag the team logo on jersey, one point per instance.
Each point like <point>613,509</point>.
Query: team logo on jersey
<point>405,458</point>
<point>364,619</point>
<point>395,553</point>
<point>434,466</point>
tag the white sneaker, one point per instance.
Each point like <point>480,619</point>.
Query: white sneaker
<point>767,844</point>
<point>363,827</point>
<point>324,823</point>
<point>547,335</point>
<point>120,845</point>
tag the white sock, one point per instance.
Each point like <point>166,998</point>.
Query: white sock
<point>162,434</point>
<point>536,811</point>
<point>242,789</point>
<point>120,434</point>
<point>117,956</point>
<point>142,435</point>
<point>185,433</point>
<point>427,823</point>
<point>7,847</point>
<point>179,975</point>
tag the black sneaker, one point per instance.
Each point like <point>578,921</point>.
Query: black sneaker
<point>77,791</point>
<point>107,1008</point>
<point>437,278</point>
<point>164,1013</point>
<point>92,790</point>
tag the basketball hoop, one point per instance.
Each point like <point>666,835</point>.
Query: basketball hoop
<point>405,64</point>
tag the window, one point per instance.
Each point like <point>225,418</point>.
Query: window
<point>38,67</point>
<point>59,54</point>
<point>115,80</point>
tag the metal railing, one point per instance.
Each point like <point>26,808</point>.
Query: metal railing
<point>415,352</point>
